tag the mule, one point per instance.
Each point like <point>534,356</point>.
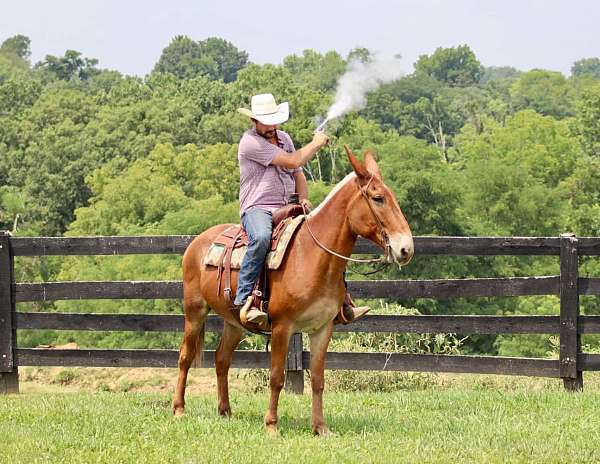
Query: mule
<point>307,290</point>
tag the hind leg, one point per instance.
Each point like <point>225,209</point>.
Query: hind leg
<point>192,346</point>
<point>229,341</point>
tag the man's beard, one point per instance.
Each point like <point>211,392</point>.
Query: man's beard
<point>269,134</point>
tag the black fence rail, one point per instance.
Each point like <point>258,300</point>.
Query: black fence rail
<point>569,325</point>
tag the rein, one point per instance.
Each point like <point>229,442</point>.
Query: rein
<point>384,259</point>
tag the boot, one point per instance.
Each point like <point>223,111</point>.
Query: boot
<point>249,313</point>
<point>349,311</point>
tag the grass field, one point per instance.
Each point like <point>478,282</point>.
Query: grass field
<point>459,421</point>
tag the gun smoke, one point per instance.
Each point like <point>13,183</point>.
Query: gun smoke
<point>359,79</point>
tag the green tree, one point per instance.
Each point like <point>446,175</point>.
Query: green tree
<point>495,73</point>
<point>14,57</point>
<point>19,45</point>
<point>318,71</point>
<point>214,57</point>
<point>582,190</point>
<point>547,92</point>
<point>361,54</point>
<point>456,66</point>
<point>587,125</point>
<point>513,175</point>
<point>71,65</point>
<point>586,67</point>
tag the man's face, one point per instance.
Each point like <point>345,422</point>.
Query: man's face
<point>267,131</point>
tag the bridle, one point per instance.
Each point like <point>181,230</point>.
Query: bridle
<point>387,247</point>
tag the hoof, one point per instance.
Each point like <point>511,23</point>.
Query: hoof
<point>178,412</point>
<point>225,412</point>
<point>322,431</point>
<point>271,430</point>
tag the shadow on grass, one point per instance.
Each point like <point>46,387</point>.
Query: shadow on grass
<point>301,425</point>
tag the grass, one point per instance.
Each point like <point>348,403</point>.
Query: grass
<point>468,422</point>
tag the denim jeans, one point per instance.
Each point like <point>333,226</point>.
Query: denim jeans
<point>258,224</point>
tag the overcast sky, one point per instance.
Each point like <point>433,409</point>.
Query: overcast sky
<point>128,35</point>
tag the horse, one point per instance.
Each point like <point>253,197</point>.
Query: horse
<point>306,291</point>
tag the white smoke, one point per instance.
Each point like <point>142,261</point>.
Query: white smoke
<point>360,79</point>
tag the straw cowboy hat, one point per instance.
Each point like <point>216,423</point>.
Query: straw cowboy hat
<point>265,110</point>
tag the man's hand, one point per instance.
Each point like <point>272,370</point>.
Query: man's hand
<point>306,204</point>
<point>320,139</point>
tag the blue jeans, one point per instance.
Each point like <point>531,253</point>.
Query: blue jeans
<point>258,224</point>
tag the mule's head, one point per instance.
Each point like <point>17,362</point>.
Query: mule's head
<point>374,212</point>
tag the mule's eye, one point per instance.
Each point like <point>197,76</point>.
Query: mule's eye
<point>379,200</point>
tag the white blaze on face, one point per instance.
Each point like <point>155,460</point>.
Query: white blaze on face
<point>402,248</point>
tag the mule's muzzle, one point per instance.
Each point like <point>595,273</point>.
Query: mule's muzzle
<point>402,249</point>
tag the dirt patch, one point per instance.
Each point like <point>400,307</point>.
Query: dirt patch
<point>121,379</point>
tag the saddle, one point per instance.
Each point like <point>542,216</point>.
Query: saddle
<point>233,240</point>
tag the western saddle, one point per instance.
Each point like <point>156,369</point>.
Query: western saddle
<point>236,237</point>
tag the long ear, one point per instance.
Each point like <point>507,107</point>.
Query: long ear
<point>359,168</point>
<point>371,164</point>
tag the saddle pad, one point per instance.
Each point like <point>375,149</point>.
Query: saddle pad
<point>274,258</point>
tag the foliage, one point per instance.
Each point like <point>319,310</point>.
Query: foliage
<point>214,57</point>
<point>546,92</point>
<point>318,71</point>
<point>496,73</point>
<point>19,45</point>
<point>456,66</point>
<point>71,65</point>
<point>586,67</point>
<point>588,121</point>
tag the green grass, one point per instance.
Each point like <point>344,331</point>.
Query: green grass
<point>434,425</point>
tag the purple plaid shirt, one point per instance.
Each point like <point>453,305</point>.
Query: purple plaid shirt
<point>262,184</point>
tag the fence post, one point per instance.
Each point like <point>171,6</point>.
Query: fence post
<point>294,374</point>
<point>9,376</point>
<point>570,339</point>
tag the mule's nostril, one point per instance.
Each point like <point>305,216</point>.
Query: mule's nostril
<point>403,253</point>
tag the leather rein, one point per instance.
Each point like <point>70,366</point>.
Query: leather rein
<point>387,247</point>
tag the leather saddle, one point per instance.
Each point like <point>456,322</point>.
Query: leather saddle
<point>235,237</point>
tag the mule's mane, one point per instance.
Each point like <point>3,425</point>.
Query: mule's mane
<point>333,192</point>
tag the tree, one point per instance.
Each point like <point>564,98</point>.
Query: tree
<point>214,57</point>
<point>422,106</point>
<point>70,66</point>
<point>495,73</point>
<point>18,45</point>
<point>318,71</point>
<point>547,92</point>
<point>456,66</point>
<point>361,54</point>
<point>587,126</point>
<point>513,175</point>
<point>586,67</point>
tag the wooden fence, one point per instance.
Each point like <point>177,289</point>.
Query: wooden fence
<point>569,325</point>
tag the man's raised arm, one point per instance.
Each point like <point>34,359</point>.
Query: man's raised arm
<point>302,156</point>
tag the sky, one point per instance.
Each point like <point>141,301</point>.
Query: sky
<point>129,35</point>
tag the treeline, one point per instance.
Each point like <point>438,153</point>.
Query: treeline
<point>468,149</point>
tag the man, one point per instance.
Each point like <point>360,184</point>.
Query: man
<point>270,170</point>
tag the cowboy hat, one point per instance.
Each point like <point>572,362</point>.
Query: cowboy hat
<point>265,110</point>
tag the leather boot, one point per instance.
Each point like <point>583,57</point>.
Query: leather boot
<point>349,312</point>
<point>248,313</point>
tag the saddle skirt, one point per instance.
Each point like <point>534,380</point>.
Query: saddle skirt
<point>235,240</point>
